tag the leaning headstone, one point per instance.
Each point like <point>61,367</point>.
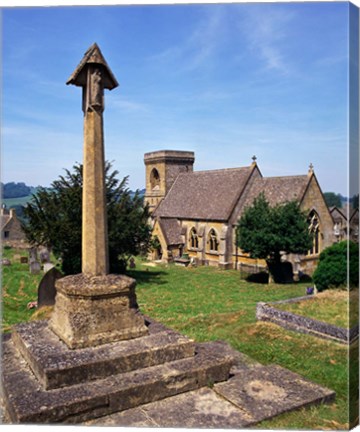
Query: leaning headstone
<point>48,266</point>
<point>24,260</point>
<point>46,289</point>
<point>35,267</point>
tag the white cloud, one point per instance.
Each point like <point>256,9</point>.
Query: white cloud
<point>200,45</point>
<point>127,106</point>
<point>266,29</point>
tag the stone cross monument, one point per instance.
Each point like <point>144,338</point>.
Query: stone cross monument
<point>95,307</point>
<point>94,75</point>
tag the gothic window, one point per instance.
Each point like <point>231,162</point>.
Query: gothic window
<point>314,229</point>
<point>194,240</point>
<point>155,179</point>
<point>213,241</point>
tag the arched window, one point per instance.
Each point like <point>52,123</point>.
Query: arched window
<point>194,240</point>
<point>155,179</point>
<point>213,241</point>
<point>314,229</point>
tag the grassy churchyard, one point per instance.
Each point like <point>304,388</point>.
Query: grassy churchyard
<point>207,303</point>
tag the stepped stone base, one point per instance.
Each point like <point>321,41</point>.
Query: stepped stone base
<point>55,365</point>
<point>163,379</point>
<point>93,310</point>
<point>72,386</point>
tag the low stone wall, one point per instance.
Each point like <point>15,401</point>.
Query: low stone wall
<point>291,321</point>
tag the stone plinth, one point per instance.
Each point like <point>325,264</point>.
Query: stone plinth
<point>160,368</point>
<point>93,310</point>
<point>55,365</point>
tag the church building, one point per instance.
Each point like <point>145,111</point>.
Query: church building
<point>196,212</point>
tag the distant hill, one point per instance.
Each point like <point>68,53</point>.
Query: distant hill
<point>12,196</point>
<point>15,190</point>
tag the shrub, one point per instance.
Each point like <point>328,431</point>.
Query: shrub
<point>332,270</point>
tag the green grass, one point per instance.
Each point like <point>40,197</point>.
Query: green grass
<point>331,306</point>
<point>206,304</point>
<point>19,287</point>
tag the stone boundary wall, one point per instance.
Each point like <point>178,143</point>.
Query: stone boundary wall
<point>301,324</point>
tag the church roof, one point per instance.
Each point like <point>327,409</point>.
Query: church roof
<point>171,230</point>
<point>277,190</point>
<point>205,195</point>
<point>4,219</point>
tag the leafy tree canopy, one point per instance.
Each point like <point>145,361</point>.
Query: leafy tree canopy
<point>54,219</point>
<point>266,232</point>
<point>332,199</point>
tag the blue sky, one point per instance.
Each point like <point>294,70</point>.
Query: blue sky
<point>226,81</point>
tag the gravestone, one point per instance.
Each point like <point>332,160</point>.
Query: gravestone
<point>34,267</point>
<point>5,262</point>
<point>44,256</point>
<point>33,254</point>
<point>47,289</point>
<point>24,260</point>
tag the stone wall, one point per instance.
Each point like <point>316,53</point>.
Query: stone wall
<point>291,321</point>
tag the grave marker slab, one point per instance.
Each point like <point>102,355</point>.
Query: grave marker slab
<point>46,289</point>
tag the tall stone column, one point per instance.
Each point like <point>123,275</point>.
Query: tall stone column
<point>94,217</point>
<point>95,307</point>
<point>94,75</point>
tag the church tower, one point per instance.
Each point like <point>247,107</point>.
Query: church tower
<point>162,167</point>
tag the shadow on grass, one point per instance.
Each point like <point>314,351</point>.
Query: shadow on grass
<point>147,276</point>
<point>260,278</point>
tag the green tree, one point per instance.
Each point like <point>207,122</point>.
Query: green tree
<point>54,219</point>
<point>332,199</point>
<point>333,271</point>
<point>268,232</point>
<point>355,201</point>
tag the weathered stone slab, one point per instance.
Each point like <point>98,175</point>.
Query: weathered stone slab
<point>55,365</point>
<point>267,391</point>
<point>93,310</point>
<point>28,402</point>
<point>201,408</point>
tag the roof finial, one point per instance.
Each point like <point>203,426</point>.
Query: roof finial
<point>311,169</point>
<point>254,159</point>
